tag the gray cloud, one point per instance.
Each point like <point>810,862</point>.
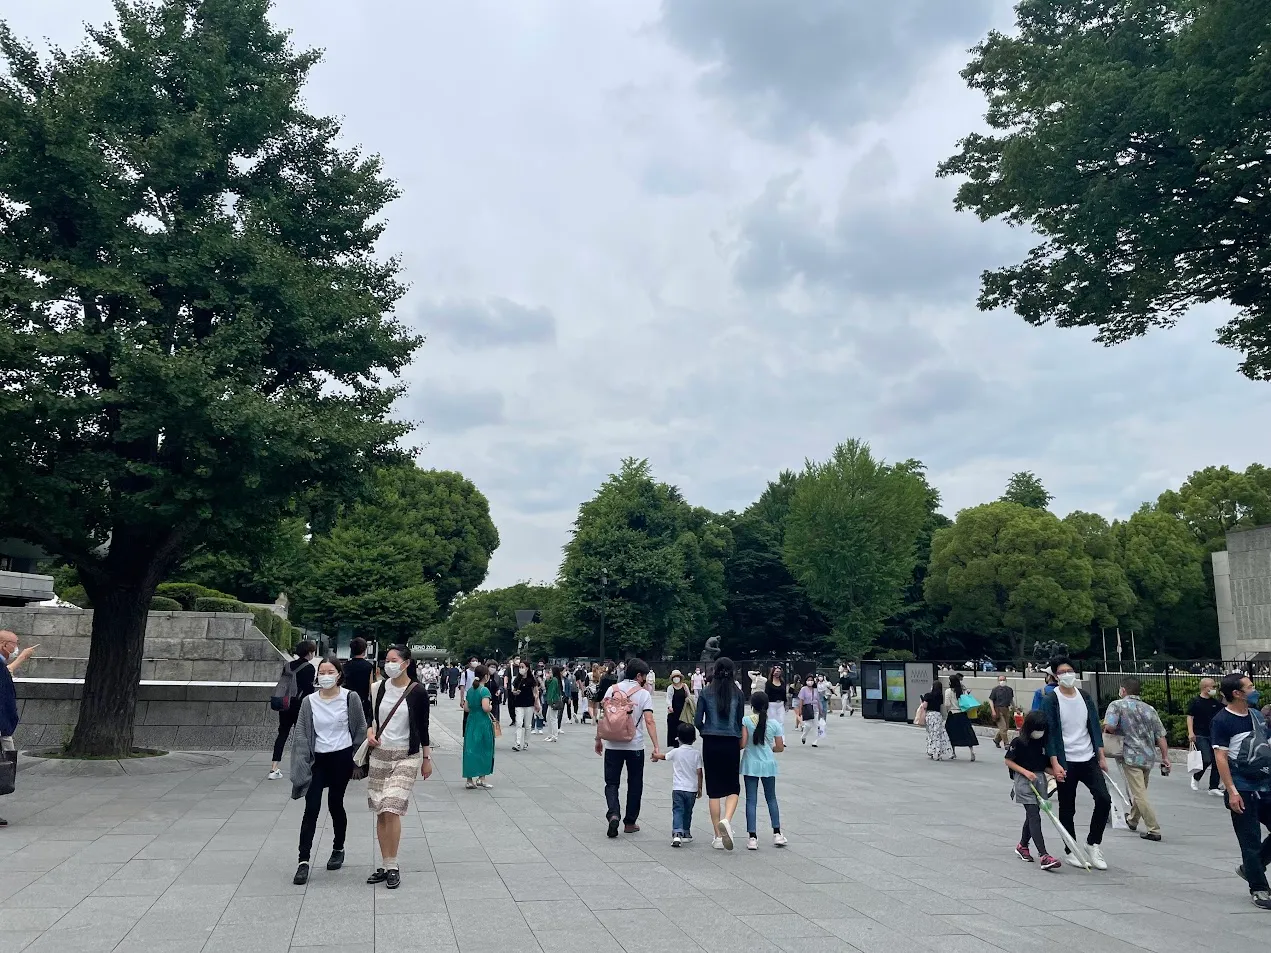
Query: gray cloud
<point>827,64</point>
<point>440,409</point>
<point>492,322</point>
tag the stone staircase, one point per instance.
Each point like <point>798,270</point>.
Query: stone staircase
<point>180,646</point>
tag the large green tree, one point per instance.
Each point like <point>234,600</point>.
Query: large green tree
<point>1110,591</point>
<point>1163,563</point>
<point>1217,499</point>
<point>1025,488</point>
<point>664,562</point>
<point>850,540</point>
<point>917,627</point>
<point>483,624</point>
<point>1013,574</point>
<point>195,327</point>
<point>1132,136</point>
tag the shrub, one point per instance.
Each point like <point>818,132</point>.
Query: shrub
<point>220,605</point>
<point>76,596</point>
<point>187,593</point>
<point>164,604</point>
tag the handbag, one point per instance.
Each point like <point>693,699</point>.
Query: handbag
<point>1113,746</point>
<point>1195,761</point>
<point>967,702</point>
<point>362,757</point>
<point>498,729</point>
<point>920,719</point>
<point>8,772</point>
<point>807,712</point>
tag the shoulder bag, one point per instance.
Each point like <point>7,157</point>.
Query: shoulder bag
<point>362,757</point>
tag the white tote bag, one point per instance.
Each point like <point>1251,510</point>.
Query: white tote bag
<point>1195,761</point>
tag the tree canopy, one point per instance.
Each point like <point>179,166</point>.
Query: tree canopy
<point>1133,138</point>
<point>850,539</point>
<point>1027,490</point>
<point>195,325</point>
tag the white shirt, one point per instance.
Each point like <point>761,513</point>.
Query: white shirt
<point>469,676</point>
<point>758,684</point>
<point>699,682</point>
<point>685,760</point>
<point>1074,718</point>
<point>396,733</point>
<point>641,702</point>
<point>330,722</point>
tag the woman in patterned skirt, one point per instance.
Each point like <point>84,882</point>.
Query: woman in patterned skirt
<point>938,747</point>
<point>398,739</point>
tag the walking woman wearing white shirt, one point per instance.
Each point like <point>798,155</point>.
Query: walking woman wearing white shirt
<point>330,723</point>
<point>400,752</point>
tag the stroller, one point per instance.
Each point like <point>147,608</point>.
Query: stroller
<point>432,687</point>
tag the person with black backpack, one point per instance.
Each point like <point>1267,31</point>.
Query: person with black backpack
<point>1242,754</point>
<point>294,682</point>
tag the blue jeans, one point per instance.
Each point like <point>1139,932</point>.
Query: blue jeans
<point>682,811</point>
<point>752,806</point>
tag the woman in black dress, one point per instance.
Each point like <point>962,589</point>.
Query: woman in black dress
<point>957,722</point>
<point>718,721</point>
<point>676,696</point>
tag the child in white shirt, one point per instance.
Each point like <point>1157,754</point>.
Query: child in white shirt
<point>686,782</point>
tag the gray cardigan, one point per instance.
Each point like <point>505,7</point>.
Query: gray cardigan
<point>304,739</point>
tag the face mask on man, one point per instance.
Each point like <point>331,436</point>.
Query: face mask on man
<point>1001,683</point>
<point>327,681</point>
<point>393,669</point>
<point>1068,679</point>
<point>1253,698</point>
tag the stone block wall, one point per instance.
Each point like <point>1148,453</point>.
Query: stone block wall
<point>180,646</point>
<point>1249,561</point>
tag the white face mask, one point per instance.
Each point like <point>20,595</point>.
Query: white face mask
<point>1001,682</point>
<point>392,669</point>
<point>327,681</point>
<point>677,680</point>
<point>1068,679</point>
<point>1037,735</point>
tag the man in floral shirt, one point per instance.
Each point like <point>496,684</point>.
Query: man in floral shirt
<point>1142,734</point>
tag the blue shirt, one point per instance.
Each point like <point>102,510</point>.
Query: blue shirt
<point>1227,731</point>
<point>756,759</point>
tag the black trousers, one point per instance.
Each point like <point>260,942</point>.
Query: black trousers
<point>1206,749</point>
<point>331,770</point>
<point>286,721</point>
<point>1033,828</point>
<point>1087,773</point>
<point>615,761</point>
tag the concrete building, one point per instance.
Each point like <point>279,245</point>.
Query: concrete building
<point>1242,593</point>
<point>20,584</point>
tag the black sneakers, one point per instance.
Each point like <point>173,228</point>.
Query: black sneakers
<point>336,861</point>
<point>302,874</point>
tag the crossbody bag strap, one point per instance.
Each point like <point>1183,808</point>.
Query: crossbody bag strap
<point>392,711</point>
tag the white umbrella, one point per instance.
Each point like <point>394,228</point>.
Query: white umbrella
<point>1049,810</point>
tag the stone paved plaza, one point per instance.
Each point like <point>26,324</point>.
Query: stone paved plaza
<point>889,853</point>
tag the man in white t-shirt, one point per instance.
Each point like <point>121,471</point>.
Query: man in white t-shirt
<point>628,754</point>
<point>698,682</point>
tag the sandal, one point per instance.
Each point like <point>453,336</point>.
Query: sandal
<point>469,783</point>
<point>483,783</point>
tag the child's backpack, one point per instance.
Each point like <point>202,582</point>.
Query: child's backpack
<point>616,723</point>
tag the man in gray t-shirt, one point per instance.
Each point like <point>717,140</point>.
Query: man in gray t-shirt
<point>1002,705</point>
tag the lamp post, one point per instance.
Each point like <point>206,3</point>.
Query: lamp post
<point>604,595</point>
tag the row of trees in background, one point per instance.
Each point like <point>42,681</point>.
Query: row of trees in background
<point>852,556</point>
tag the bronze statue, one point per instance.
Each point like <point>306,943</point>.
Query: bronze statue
<point>710,651</point>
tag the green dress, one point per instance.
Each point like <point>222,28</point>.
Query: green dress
<point>478,737</point>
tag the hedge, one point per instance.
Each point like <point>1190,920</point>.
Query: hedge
<point>77,596</point>
<point>220,605</point>
<point>164,604</point>
<point>188,593</point>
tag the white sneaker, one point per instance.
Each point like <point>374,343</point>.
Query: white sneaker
<point>1072,859</point>
<point>1195,784</point>
<point>1096,857</point>
<point>275,775</point>
<point>752,843</point>
<point>725,833</point>
<point>779,840</point>
<point>1216,792</point>
<point>676,840</point>
<point>815,745</point>
<point>717,843</point>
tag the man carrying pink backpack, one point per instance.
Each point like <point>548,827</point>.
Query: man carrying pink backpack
<point>624,715</point>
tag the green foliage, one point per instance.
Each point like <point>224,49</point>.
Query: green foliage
<point>1162,561</point>
<point>220,605</point>
<point>195,325</point>
<point>1218,499</point>
<point>1026,489</point>
<point>483,623</point>
<point>665,565</point>
<point>261,569</point>
<point>1109,589</point>
<point>850,540</point>
<point>917,625</point>
<point>76,596</point>
<point>187,593</point>
<point>1132,137</point>
<point>1012,573</point>
<point>163,604</point>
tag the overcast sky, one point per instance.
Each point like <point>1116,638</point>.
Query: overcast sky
<point>707,232</point>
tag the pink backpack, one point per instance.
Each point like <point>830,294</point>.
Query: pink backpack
<point>616,723</point>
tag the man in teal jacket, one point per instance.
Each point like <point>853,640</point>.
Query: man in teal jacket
<point>1074,741</point>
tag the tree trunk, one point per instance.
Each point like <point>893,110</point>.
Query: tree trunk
<point>109,705</point>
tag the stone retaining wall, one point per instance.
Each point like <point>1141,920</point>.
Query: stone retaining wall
<point>190,716</point>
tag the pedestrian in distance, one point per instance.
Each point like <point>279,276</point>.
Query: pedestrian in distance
<point>760,738</point>
<point>1074,742</point>
<point>329,725</point>
<point>625,716</point>
<point>718,721</point>
<point>478,732</point>
<point>1240,739</point>
<point>1200,716</point>
<point>938,747</point>
<point>686,781</point>
<point>806,711</point>
<point>294,683</point>
<point>1027,764</point>
<point>1001,707</point>
<point>356,674</point>
<point>525,702</point>
<point>399,753</point>
<point>1142,735</point>
<point>956,721</point>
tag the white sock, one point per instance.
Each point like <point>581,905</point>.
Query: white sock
<point>390,863</point>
